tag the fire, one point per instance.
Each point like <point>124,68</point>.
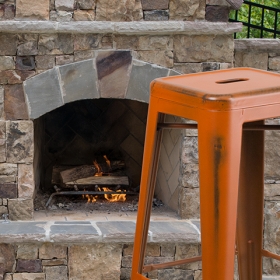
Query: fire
<point>107,161</point>
<point>90,198</point>
<point>98,173</point>
<point>114,197</point>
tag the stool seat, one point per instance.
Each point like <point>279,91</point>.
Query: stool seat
<point>231,165</point>
<point>220,90</point>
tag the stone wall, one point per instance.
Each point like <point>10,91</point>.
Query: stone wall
<point>105,10</point>
<point>50,261</point>
<point>94,250</point>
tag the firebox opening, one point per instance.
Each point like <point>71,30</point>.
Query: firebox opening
<point>76,140</point>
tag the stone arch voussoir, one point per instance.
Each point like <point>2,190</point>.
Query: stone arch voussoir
<point>111,74</point>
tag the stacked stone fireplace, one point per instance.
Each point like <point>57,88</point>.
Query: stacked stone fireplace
<point>74,83</point>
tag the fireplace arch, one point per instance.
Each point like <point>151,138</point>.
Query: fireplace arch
<point>112,75</point>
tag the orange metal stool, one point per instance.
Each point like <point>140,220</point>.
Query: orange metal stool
<point>229,107</point>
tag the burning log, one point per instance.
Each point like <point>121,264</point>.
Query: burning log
<point>84,171</point>
<point>101,180</point>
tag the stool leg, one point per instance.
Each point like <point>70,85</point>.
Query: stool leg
<point>219,138</point>
<point>250,206</point>
<point>147,186</point>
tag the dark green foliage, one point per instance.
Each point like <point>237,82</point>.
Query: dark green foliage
<point>256,19</point>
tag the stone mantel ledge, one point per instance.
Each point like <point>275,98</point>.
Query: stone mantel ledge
<point>125,28</point>
<point>260,45</point>
<point>182,231</point>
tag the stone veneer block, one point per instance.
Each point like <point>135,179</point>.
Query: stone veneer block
<point>9,170</point>
<point>155,4</point>
<point>8,44</point>
<point>78,81</point>
<point>52,251</point>
<point>14,105</point>
<point>55,44</point>
<point>26,186</point>
<point>20,146</point>
<point>54,262</point>
<point>1,95</point>
<point>44,62</point>
<point>170,231</point>
<point>217,3</point>
<point>119,10</point>
<point>29,276</point>
<point>117,230</point>
<point>140,78</point>
<point>56,272</point>
<point>25,63</point>
<point>81,15</point>
<point>8,190</point>
<point>156,15</point>
<point>43,93</point>
<point>217,13</point>
<point>113,69</point>
<point>14,76</point>
<point>7,63</point>
<point>199,48</point>
<point>31,266</point>
<point>7,257</point>
<point>86,261</point>
<point>64,5</point>
<point>20,209</point>
<point>3,210</point>
<point>27,252</point>
<point>86,4</point>
<point>28,9</point>
<point>162,58</point>
<point>274,63</point>
<point>186,9</point>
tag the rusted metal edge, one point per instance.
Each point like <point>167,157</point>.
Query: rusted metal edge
<point>148,268</point>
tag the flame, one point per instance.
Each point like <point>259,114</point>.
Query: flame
<point>98,173</point>
<point>114,197</point>
<point>89,197</point>
<point>107,161</point>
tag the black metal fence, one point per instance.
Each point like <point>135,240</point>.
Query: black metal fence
<point>259,21</point>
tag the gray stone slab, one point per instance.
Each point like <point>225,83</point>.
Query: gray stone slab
<point>22,231</point>
<point>196,223</point>
<point>174,73</point>
<point>142,74</point>
<point>43,93</point>
<point>173,232</point>
<point>117,231</point>
<point>78,81</point>
<point>73,232</point>
<point>73,223</point>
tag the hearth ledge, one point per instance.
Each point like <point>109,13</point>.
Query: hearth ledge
<point>126,28</point>
<point>183,231</point>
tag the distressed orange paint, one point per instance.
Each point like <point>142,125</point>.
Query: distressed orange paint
<point>230,164</point>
